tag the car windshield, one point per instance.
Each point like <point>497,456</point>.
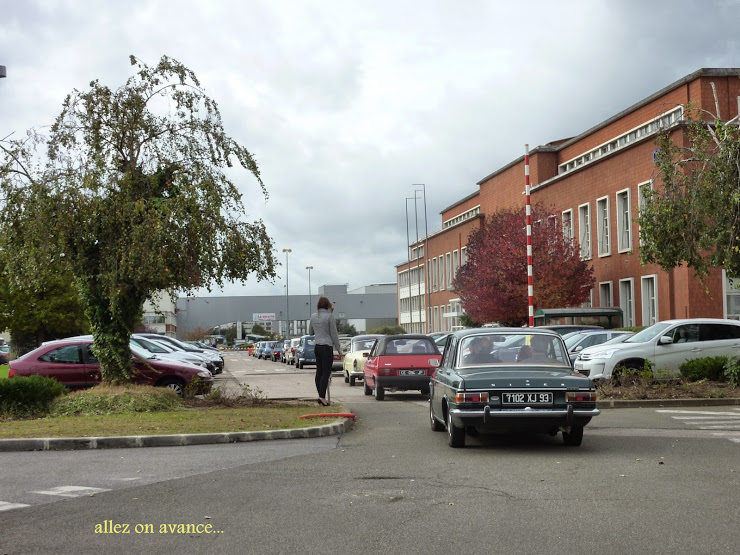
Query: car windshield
<point>149,345</point>
<point>142,353</point>
<point>512,347</point>
<point>416,346</point>
<point>362,344</point>
<point>572,339</point>
<point>648,333</point>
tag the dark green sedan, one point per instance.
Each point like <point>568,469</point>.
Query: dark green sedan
<point>509,380</point>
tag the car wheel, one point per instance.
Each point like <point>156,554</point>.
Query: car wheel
<point>455,435</point>
<point>300,364</point>
<point>367,389</point>
<point>574,437</point>
<point>174,384</point>
<point>379,392</point>
<point>437,426</point>
<point>346,378</point>
<point>626,374</point>
<point>352,381</point>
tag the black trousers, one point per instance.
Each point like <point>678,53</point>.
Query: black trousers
<point>324,360</point>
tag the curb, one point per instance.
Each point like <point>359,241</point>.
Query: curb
<point>175,440</point>
<point>650,403</point>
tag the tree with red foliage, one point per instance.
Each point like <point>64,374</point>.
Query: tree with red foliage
<point>492,284</point>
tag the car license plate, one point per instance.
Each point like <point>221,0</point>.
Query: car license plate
<point>419,372</point>
<point>527,398</point>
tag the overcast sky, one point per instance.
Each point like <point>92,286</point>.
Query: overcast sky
<point>347,104</point>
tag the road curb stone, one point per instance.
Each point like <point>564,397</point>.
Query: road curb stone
<point>651,403</point>
<point>173,440</point>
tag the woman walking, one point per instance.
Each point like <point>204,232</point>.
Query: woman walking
<point>324,328</point>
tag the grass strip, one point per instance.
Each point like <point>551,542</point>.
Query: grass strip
<point>188,421</point>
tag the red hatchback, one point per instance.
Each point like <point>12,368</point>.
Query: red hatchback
<point>72,362</point>
<point>402,363</point>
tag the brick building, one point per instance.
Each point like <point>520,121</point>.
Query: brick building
<point>594,182</point>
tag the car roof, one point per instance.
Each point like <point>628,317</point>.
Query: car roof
<point>499,331</point>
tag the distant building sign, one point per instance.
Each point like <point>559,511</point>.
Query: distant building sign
<point>263,316</point>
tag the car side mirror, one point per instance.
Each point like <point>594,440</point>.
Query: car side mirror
<point>665,340</point>
<point>578,349</point>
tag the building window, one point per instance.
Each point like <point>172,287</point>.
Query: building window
<point>584,230</point>
<point>568,225</point>
<point>649,300</point>
<point>448,257</point>
<point>455,264</point>
<point>624,221</point>
<point>731,289</point>
<point>463,256</point>
<point>435,274</point>
<point>602,231</point>
<point>605,294</point>
<point>627,301</point>
<point>441,272</point>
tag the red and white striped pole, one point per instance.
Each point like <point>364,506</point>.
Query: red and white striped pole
<point>530,287</point>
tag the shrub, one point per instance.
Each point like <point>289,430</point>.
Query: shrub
<point>25,396</point>
<point>105,399</point>
<point>732,371</point>
<point>708,368</point>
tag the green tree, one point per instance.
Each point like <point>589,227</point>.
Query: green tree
<point>388,330</point>
<point>50,309</point>
<point>692,217</point>
<point>346,329</point>
<point>259,329</point>
<point>135,196</point>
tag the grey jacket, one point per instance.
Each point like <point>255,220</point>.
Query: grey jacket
<point>323,326</point>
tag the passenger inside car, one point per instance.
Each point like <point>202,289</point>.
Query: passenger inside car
<point>480,351</point>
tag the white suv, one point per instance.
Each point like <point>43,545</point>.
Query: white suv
<point>666,345</point>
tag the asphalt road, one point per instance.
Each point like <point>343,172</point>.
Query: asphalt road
<point>642,482</point>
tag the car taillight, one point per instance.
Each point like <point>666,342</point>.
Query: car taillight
<point>386,372</point>
<point>580,396</point>
<point>12,372</point>
<point>479,397</point>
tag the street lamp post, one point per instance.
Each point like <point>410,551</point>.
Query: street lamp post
<point>310,308</point>
<point>408,256</point>
<point>287,293</point>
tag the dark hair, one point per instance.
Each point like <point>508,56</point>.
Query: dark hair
<point>324,303</point>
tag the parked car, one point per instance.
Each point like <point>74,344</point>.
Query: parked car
<point>354,360</point>
<point>286,348</point>
<point>259,347</point>
<point>401,363</point>
<point>277,351</point>
<point>474,390</point>
<point>665,345</point>
<point>4,353</point>
<point>163,350</point>
<point>337,363</point>
<point>213,356</point>
<point>290,351</point>
<point>267,350</point>
<point>576,341</point>
<point>72,362</point>
<point>304,352</point>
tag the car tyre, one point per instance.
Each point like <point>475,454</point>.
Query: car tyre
<point>437,426</point>
<point>455,435</point>
<point>346,378</point>
<point>574,437</point>
<point>300,365</point>
<point>379,391</point>
<point>174,384</point>
<point>367,389</point>
<point>352,381</point>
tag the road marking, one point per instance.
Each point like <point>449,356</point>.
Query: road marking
<point>5,506</point>
<point>71,491</point>
<point>708,420</point>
